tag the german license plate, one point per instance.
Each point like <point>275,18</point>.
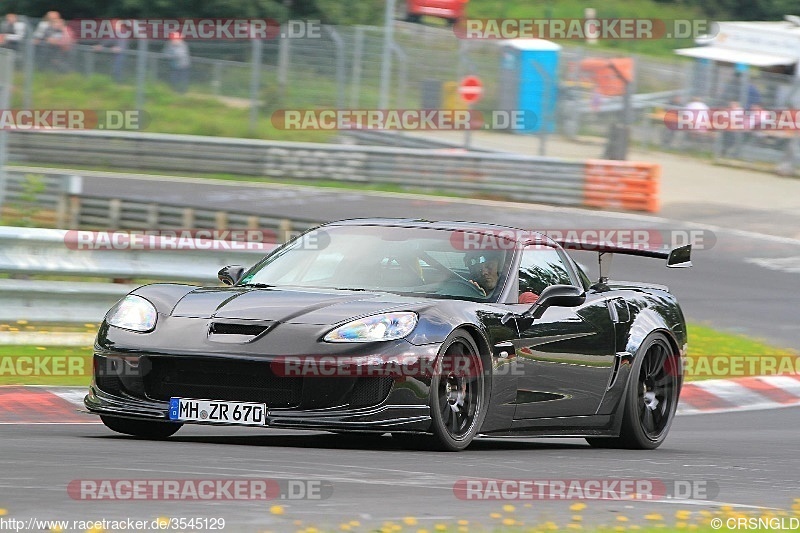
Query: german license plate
<point>217,412</point>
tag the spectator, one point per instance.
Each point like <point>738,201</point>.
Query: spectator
<point>177,51</point>
<point>729,136</point>
<point>119,47</point>
<point>56,41</point>
<point>698,109</point>
<point>12,32</point>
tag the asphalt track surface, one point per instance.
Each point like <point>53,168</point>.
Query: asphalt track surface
<point>742,281</point>
<point>746,459</point>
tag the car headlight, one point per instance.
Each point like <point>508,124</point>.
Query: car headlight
<point>383,327</point>
<point>134,313</point>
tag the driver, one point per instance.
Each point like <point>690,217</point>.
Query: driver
<point>484,269</point>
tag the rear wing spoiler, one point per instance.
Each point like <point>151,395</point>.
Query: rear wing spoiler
<point>680,257</point>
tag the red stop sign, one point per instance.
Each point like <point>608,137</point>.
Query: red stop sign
<point>470,89</point>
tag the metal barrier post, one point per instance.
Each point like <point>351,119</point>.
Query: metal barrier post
<point>6,80</point>
<point>255,83</point>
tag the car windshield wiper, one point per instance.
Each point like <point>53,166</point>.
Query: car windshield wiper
<point>348,289</point>
<point>256,285</point>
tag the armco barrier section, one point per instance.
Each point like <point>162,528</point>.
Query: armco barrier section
<point>622,185</point>
<point>28,251</point>
<point>498,175</point>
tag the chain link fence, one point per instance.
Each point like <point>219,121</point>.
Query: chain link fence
<point>342,68</point>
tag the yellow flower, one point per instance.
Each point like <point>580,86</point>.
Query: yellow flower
<point>509,508</point>
<point>354,523</point>
<point>410,521</point>
<point>577,507</point>
<point>162,521</point>
<point>3,512</point>
<point>495,515</point>
<point>277,510</point>
<point>653,516</point>
<point>551,526</point>
<point>345,527</point>
<point>509,522</point>
<point>574,526</point>
<point>463,522</point>
<point>577,518</point>
<point>683,515</point>
<point>23,322</point>
<point>440,527</point>
<point>41,348</point>
<point>621,518</point>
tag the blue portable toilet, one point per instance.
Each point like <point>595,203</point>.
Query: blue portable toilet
<point>529,82</point>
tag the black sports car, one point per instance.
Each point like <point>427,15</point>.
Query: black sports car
<point>445,329</point>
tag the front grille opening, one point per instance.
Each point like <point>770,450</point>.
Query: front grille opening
<point>232,328</point>
<point>114,375</point>
<point>216,379</point>
<point>370,391</point>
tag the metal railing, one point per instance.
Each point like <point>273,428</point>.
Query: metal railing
<point>513,176</point>
<point>25,252</point>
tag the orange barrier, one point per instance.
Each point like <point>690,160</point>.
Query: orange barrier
<point>621,185</point>
<point>601,72</point>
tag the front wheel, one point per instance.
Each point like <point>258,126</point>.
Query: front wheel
<point>141,428</point>
<point>458,397</point>
<point>651,398</point>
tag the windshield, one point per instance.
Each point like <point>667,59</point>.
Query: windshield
<point>419,261</point>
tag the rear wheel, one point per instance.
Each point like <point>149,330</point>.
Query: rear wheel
<point>651,398</point>
<point>458,393</point>
<point>141,428</point>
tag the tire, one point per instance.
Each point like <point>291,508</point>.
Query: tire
<point>458,394</point>
<point>141,428</point>
<point>650,400</point>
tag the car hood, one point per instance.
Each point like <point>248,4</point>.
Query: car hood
<point>294,305</point>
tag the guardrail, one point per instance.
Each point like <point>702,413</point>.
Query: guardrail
<point>59,195</point>
<point>513,176</point>
<point>62,253</point>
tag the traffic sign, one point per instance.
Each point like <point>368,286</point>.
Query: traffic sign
<point>470,89</point>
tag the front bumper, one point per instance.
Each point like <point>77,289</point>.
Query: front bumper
<point>140,385</point>
<point>385,417</point>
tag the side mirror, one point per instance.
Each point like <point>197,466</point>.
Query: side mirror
<point>554,295</point>
<point>557,296</point>
<point>230,275</point>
